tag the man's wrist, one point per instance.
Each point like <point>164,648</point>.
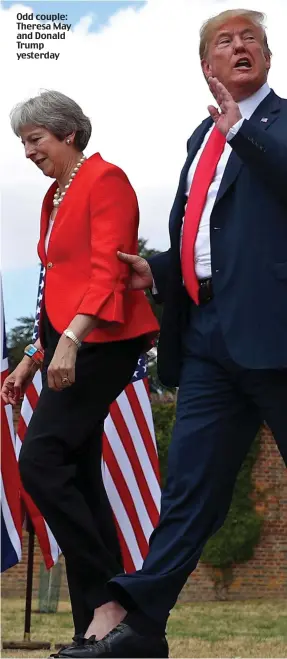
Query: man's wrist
<point>234,129</point>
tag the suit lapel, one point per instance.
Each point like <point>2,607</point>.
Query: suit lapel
<point>267,110</point>
<point>194,145</point>
<point>231,172</point>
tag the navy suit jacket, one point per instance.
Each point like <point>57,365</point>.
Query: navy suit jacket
<point>248,234</point>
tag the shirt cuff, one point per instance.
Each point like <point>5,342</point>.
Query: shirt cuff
<point>234,129</point>
<point>154,288</point>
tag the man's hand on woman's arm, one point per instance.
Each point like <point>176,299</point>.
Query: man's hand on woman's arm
<point>140,271</point>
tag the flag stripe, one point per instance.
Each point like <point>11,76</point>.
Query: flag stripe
<point>13,531</point>
<point>125,495</point>
<point>142,392</point>
<point>121,427</point>
<point>8,468</point>
<point>123,521</point>
<point>129,564</point>
<point>143,426</point>
<point>10,535</point>
<point>39,526</point>
<point>32,397</point>
<point>22,428</point>
<point>149,483</point>
<point>139,445</point>
<point>126,468</point>
<point>53,551</point>
<point>26,409</point>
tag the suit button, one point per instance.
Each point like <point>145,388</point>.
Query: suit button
<point>49,265</point>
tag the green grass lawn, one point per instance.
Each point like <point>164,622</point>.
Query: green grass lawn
<point>254,628</point>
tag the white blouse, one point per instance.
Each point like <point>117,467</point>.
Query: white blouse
<point>48,234</point>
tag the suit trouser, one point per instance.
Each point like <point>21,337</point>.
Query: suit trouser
<point>219,411</point>
<point>60,466</point>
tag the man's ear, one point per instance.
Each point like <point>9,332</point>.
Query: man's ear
<point>206,69</point>
<point>268,62</point>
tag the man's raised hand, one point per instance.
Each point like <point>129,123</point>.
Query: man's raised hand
<point>229,113</point>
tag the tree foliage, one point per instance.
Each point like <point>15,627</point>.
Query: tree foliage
<point>18,338</point>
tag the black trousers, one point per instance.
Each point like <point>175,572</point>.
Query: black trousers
<point>60,466</point>
<point>220,408</point>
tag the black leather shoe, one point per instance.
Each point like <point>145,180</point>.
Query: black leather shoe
<point>123,643</point>
<point>78,641</point>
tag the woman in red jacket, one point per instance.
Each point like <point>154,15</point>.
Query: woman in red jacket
<point>92,332</point>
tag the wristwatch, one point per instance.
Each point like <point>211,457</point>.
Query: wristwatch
<point>68,332</point>
<point>35,354</point>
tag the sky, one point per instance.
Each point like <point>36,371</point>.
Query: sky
<point>134,69</point>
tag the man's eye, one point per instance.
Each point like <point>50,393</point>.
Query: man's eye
<point>225,40</point>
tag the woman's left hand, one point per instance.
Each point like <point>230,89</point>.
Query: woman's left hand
<point>61,370</point>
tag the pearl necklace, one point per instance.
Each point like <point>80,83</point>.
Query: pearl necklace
<point>59,196</point>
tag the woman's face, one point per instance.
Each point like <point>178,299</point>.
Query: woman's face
<point>44,149</point>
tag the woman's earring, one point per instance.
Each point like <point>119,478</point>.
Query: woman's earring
<point>68,141</point>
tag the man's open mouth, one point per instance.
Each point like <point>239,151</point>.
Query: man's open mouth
<point>39,162</point>
<point>243,63</point>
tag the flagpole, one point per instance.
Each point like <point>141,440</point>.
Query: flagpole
<point>27,644</point>
<point>29,580</point>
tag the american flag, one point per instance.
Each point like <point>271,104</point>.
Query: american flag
<point>11,518</point>
<point>130,465</point>
<point>130,468</point>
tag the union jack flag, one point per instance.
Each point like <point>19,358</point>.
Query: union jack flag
<point>11,518</point>
<point>130,465</point>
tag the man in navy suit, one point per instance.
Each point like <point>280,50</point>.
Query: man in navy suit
<point>223,338</point>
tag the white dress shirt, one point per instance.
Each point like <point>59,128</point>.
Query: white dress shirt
<point>48,234</point>
<point>202,243</point>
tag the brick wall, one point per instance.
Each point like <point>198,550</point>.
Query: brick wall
<point>265,576</point>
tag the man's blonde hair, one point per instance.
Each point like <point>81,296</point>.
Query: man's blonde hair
<point>210,26</point>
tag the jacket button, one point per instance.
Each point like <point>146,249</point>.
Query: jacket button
<point>49,265</point>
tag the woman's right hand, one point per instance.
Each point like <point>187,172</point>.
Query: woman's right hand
<point>15,385</point>
<point>141,275</point>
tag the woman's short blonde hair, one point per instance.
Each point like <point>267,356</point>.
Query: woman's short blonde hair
<point>210,26</point>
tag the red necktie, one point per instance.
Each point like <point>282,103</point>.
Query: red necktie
<point>202,179</point>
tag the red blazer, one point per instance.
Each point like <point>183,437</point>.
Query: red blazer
<point>98,216</point>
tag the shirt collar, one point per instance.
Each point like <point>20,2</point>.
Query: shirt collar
<point>249,105</point>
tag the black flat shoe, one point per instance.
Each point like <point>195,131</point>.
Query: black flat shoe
<point>78,640</point>
<point>76,650</point>
<point>122,643</point>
